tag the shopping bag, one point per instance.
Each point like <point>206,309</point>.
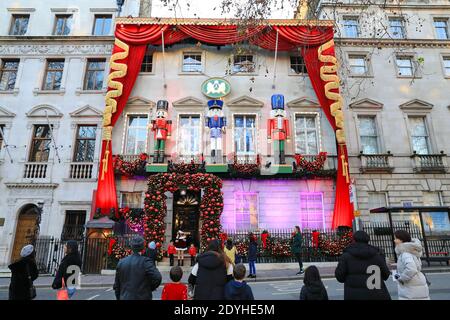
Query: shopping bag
<point>62,293</point>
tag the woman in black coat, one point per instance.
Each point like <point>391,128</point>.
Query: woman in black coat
<point>23,272</point>
<point>313,288</point>
<point>71,258</point>
<point>356,266</point>
<point>209,275</point>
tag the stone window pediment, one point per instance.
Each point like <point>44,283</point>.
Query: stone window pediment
<point>303,103</point>
<point>416,104</point>
<point>6,114</point>
<point>43,111</point>
<point>140,102</point>
<point>189,102</point>
<point>367,104</point>
<point>245,101</point>
<point>86,112</point>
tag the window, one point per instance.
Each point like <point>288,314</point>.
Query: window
<point>419,135</point>
<point>19,24</point>
<point>243,63</point>
<point>85,143</point>
<point>441,27</point>
<point>405,66</point>
<point>368,134</point>
<point>298,65</point>
<point>102,25</point>
<point>53,75</point>
<point>306,137</point>
<point>136,137</point>
<point>192,62</point>
<point>147,63</point>
<point>73,228</point>
<point>351,29</point>
<point>8,74</point>
<point>431,199</point>
<point>189,135</point>
<point>2,132</point>
<point>131,199</point>
<point>245,134</point>
<point>40,144</point>
<point>446,66</point>
<point>94,74</point>
<point>311,210</point>
<point>377,200</point>
<point>246,210</point>
<point>358,65</point>
<point>63,24</point>
<point>396,27</point>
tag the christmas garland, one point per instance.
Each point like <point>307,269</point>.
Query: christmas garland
<point>183,168</point>
<point>243,170</point>
<point>314,166</point>
<point>133,218</point>
<point>332,247</point>
<point>130,168</point>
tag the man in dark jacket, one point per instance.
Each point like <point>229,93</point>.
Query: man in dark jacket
<point>238,289</point>
<point>23,273</point>
<point>209,275</point>
<point>357,264</point>
<point>136,275</point>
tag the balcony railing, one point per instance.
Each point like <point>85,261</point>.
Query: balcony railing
<point>245,159</point>
<point>35,170</point>
<point>376,162</point>
<point>130,157</point>
<point>81,170</point>
<point>430,162</point>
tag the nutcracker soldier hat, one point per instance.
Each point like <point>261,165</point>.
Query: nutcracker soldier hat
<point>277,102</point>
<point>162,105</point>
<point>215,104</point>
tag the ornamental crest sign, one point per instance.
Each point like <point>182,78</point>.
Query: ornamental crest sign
<point>216,88</point>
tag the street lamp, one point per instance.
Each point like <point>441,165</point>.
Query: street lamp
<point>119,5</point>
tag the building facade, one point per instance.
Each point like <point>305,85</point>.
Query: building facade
<point>395,67</point>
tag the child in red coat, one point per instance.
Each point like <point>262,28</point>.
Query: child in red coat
<point>192,252</point>
<point>175,290</point>
<point>171,250</point>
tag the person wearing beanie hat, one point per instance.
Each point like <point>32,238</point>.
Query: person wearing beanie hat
<point>23,272</point>
<point>356,265</point>
<point>136,275</point>
<point>151,251</point>
<point>72,258</point>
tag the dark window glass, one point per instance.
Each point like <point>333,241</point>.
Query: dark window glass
<point>40,144</point>
<point>298,65</point>
<point>85,143</point>
<point>63,24</point>
<point>95,69</point>
<point>53,75</point>
<point>19,24</point>
<point>102,25</point>
<point>243,63</point>
<point>8,74</point>
<point>73,228</point>
<point>147,63</point>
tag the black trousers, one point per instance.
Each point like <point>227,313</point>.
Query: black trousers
<point>192,261</point>
<point>298,256</point>
<point>171,259</point>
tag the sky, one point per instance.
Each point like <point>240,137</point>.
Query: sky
<point>205,9</point>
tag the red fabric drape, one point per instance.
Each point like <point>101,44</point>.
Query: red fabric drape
<point>343,208</point>
<point>290,37</point>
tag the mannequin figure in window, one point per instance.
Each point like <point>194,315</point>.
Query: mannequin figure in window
<point>216,122</point>
<point>181,246</point>
<point>162,129</point>
<point>278,128</point>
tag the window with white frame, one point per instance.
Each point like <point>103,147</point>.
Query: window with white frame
<point>189,135</point>
<point>368,134</point>
<point>351,28</point>
<point>306,134</point>
<point>8,74</point>
<point>377,200</point>
<point>298,65</point>
<point>147,62</point>
<point>53,74</point>
<point>358,65</point>
<point>192,62</point>
<point>441,27</point>
<point>40,143</point>
<point>63,24</point>
<point>312,211</point>
<point>419,135</point>
<point>446,62</point>
<point>19,24</point>
<point>245,134</point>
<point>430,198</point>
<point>136,134</point>
<point>95,69</point>
<point>405,66</point>
<point>397,28</point>
<point>130,199</point>
<point>102,25</point>
<point>244,63</point>
<point>246,210</point>
<point>85,143</point>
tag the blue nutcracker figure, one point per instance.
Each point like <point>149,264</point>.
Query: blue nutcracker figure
<point>216,122</point>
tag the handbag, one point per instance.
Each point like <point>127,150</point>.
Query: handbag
<point>32,289</point>
<point>62,294</point>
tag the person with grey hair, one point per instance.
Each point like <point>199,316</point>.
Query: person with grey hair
<point>136,275</point>
<point>23,272</point>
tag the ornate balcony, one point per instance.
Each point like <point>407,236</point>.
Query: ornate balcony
<point>376,162</point>
<point>430,162</point>
<point>35,170</point>
<point>81,170</point>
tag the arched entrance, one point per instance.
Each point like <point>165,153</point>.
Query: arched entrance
<point>26,229</point>
<point>186,215</point>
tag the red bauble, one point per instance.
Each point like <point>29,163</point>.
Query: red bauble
<point>206,225</point>
<point>158,244</point>
<point>215,229</point>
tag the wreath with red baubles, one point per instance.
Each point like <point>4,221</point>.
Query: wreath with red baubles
<point>310,166</point>
<point>129,168</point>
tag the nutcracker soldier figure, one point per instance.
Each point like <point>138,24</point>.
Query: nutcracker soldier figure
<point>278,128</point>
<point>162,129</point>
<point>216,123</point>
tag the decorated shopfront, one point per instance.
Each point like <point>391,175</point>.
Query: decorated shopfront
<point>212,198</point>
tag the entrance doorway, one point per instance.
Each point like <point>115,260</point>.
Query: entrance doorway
<point>25,230</point>
<point>186,215</point>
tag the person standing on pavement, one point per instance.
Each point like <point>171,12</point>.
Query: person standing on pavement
<point>72,258</point>
<point>136,275</point>
<point>313,288</point>
<point>151,252</point>
<point>296,248</point>
<point>23,272</point>
<point>252,253</point>
<point>230,251</point>
<point>356,265</point>
<point>412,283</point>
<point>209,275</point>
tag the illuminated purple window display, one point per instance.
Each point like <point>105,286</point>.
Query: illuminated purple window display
<point>277,204</point>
